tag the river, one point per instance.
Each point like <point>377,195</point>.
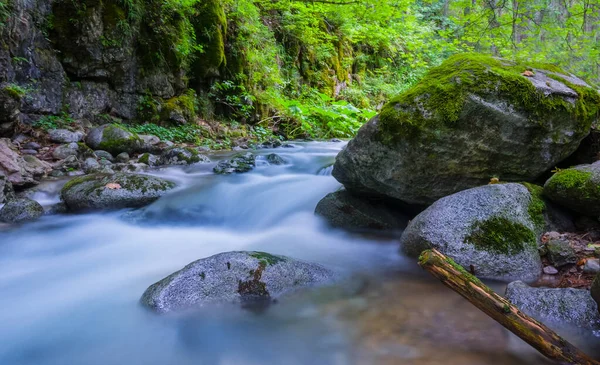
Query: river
<point>71,284</point>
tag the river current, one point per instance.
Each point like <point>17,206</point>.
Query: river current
<point>70,284</point>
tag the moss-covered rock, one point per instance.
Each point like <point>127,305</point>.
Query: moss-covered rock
<point>240,163</point>
<point>21,211</point>
<point>470,119</point>
<point>233,277</point>
<point>489,229</point>
<point>182,156</point>
<point>113,138</point>
<point>113,191</point>
<point>576,188</point>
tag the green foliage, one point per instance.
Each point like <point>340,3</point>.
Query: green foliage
<point>5,8</point>
<point>48,122</point>
<point>187,133</point>
<point>326,119</point>
<point>15,91</point>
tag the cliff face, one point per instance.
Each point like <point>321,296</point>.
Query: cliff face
<point>94,58</point>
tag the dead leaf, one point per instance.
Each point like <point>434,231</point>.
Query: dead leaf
<point>494,180</point>
<point>528,73</point>
<point>113,186</point>
<point>581,262</point>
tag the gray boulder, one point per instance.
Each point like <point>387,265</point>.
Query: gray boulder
<point>341,209</point>
<point>21,210</point>
<point>6,190</point>
<point>555,305</point>
<point>470,119</point>
<point>595,290</point>
<point>65,136</point>
<point>123,157</point>
<point>21,171</point>
<point>100,154</point>
<point>577,188</point>
<point>182,156</point>
<point>113,191</point>
<point>114,139</point>
<point>232,277</point>
<point>90,165</point>
<point>65,150</point>
<point>560,252</point>
<point>493,229</point>
<point>239,163</point>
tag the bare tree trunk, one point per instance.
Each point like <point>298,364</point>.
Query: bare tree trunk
<point>535,333</point>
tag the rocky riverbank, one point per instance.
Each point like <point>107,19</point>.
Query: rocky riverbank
<point>482,149</point>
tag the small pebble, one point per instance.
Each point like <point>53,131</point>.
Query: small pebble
<point>550,270</point>
<point>29,152</point>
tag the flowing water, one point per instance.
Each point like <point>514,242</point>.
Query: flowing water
<point>70,285</point>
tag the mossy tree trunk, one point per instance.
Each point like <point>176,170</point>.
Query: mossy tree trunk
<point>542,338</point>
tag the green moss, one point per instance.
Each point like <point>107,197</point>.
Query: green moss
<point>210,26</point>
<point>537,206</point>
<point>113,141</point>
<point>267,258</point>
<point>501,235</point>
<point>145,158</point>
<point>437,101</point>
<point>184,105</point>
<point>15,91</point>
<point>573,185</point>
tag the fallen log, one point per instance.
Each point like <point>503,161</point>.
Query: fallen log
<point>536,334</point>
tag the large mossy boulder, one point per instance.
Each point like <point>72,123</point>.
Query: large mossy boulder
<point>21,211</point>
<point>113,191</point>
<point>233,277</point>
<point>114,139</point>
<point>342,209</point>
<point>492,230</point>
<point>577,188</point>
<point>472,118</point>
<point>559,306</point>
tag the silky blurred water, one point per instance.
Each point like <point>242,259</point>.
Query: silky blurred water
<point>71,284</point>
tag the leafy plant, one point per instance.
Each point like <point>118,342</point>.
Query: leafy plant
<point>49,122</point>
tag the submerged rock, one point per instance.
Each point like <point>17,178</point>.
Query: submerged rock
<point>472,118</point>
<point>240,163</point>
<point>341,209</point>
<point>492,230</point>
<point>21,210</point>
<point>275,159</point>
<point>232,277</point>
<point>182,156</point>
<point>114,139</point>
<point>576,188</point>
<point>556,305</point>
<point>113,191</point>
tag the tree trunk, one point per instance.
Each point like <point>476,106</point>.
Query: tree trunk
<point>542,338</point>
